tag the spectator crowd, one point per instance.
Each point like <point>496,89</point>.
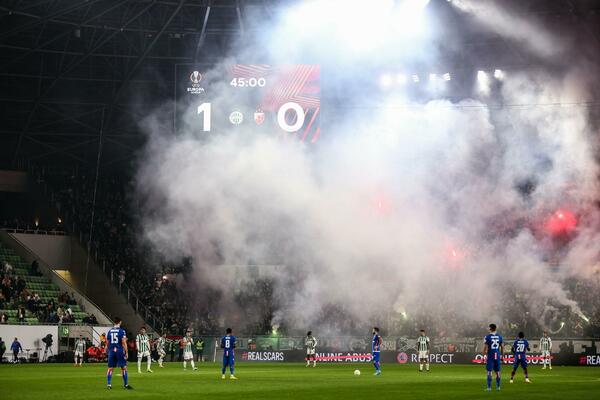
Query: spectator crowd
<point>164,290</point>
<point>15,295</point>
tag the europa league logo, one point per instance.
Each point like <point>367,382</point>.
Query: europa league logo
<point>196,77</point>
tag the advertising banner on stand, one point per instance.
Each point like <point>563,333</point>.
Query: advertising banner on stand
<point>466,351</point>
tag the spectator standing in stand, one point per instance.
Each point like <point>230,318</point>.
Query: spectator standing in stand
<point>21,315</point>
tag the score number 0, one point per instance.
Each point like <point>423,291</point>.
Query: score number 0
<point>206,109</point>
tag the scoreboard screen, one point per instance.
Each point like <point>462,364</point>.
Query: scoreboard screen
<point>281,100</point>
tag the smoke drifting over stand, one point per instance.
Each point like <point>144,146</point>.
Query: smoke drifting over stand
<point>428,211</point>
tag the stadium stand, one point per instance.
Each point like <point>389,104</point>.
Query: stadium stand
<point>27,297</point>
<point>159,288</point>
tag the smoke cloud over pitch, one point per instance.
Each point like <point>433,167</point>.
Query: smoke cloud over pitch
<point>407,209</point>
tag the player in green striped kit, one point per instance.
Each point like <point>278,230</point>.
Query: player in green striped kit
<point>311,348</point>
<point>161,343</point>
<point>546,348</point>
<point>423,350</point>
<point>80,347</point>
<point>143,349</point>
<point>188,354</point>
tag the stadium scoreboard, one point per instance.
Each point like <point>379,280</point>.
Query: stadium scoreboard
<point>261,98</point>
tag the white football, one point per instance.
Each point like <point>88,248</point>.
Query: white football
<point>357,372</point>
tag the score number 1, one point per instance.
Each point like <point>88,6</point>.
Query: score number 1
<point>206,109</point>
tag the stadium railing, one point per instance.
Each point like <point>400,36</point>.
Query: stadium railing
<point>125,290</point>
<point>132,298</point>
<point>52,232</point>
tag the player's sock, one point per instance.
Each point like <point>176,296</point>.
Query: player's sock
<point>231,370</point>
<point>184,364</point>
<point>149,363</point>
<point>140,364</point>
<point>526,373</point>
<point>427,366</point>
<point>223,371</point>
<point>109,376</point>
<point>314,363</point>
<point>489,381</point>
<point>512,374</point>
<point>421,367</point>
<point>193,365</point>
<point>125,377</point>
<point>497,380</point>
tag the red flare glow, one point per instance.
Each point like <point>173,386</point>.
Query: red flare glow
<point>561,222</point>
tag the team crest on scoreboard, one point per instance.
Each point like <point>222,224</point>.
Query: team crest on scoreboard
<point>195,78</point>
<point>236,117</point>
<point>259,117</point>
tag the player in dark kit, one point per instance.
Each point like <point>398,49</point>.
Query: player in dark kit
<point>376,349</point>
<point>228,344</point>
<point>520,348</point>
<point>117,353</point>
<point>493,349</point>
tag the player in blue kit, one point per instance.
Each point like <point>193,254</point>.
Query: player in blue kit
<point>228,344</point>
<point>493,349</point>
<point>376,349</point>
<point>520,348</point>
<point>117,353</point>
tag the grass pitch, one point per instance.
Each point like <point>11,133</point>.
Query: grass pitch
<point>292,381</point>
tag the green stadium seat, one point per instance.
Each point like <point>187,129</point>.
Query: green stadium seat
<point>39,284</point>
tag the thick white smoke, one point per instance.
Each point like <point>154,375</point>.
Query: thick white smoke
<point>389,215</point>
